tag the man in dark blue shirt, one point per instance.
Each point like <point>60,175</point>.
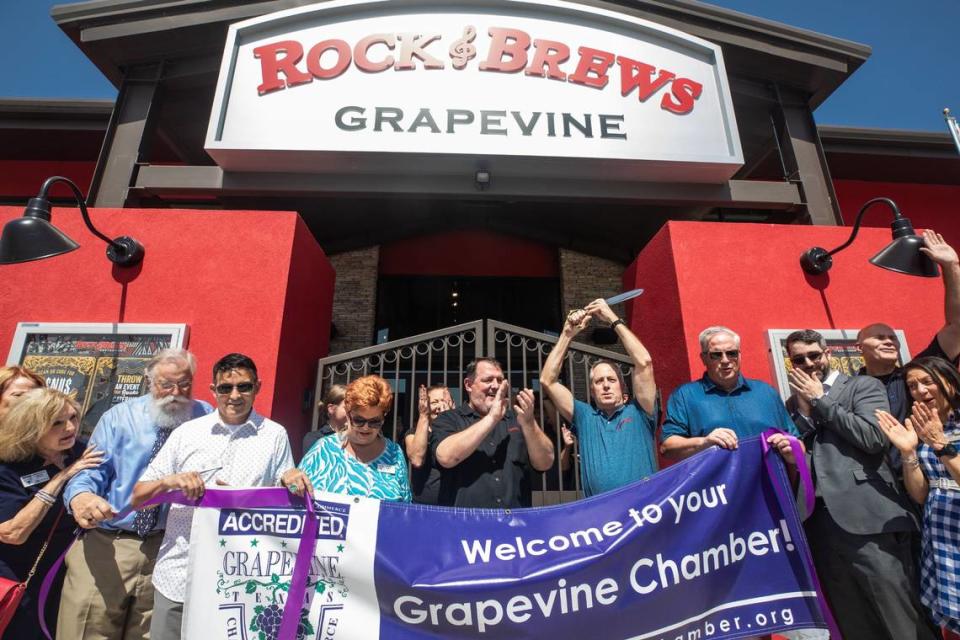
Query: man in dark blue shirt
<point>722,407</point>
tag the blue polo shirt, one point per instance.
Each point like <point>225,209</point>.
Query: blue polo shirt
<point>697,408</point>
<point>614,450</point>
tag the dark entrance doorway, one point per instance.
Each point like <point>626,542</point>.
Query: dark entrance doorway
<point>449,277</point>
<point>408,305</point>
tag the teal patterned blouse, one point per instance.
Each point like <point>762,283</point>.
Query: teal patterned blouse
<point>330,468</point>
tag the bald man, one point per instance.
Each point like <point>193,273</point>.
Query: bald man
<point>881,348</point>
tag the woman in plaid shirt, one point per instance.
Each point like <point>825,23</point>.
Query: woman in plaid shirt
<point>931,472</point>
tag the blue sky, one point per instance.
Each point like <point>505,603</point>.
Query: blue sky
<point>905,84</point>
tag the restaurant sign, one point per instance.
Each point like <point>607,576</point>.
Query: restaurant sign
<point>525,87</point>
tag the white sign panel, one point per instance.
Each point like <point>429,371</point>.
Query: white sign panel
<point>522,86</point>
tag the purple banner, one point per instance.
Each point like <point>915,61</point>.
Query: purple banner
<point>708,548</point>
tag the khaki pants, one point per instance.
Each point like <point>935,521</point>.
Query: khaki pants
<point>107,592</point>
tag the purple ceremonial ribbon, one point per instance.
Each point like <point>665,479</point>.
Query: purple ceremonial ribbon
<point>227,499</point>
<point>785,499</point>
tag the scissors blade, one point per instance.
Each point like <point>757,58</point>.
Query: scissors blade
<point>623,297</point>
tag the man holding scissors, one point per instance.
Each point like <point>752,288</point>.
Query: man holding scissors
<point>616,434</point>
<point>234,446</point>
<point>108,591</point>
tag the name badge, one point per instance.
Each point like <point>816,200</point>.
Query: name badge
<point>387,468</point>
<point>32,479</point>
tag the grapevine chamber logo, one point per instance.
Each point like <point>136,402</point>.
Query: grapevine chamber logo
<point>257,552</point>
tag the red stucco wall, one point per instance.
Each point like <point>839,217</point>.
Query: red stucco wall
<point>929,206</point>
<point>457,253</point>
<point>23,178</point>
<point>248,281</point>
<point>747,276</point>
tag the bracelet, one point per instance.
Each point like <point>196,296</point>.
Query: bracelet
<point>45,497</point>
<point>613,325</point>
<point>913,462</point>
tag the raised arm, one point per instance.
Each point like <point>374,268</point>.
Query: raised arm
<point>644,386</point>
<point>858,427</point>
<point>457,447</point>
<point>929,429</point>
<point>945,256</point>
<point>905,439</point>
<point>416,442</point>
<point>539,446</point>
<point>576,322</point>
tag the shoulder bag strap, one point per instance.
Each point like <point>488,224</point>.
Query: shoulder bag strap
<point>43,549</point>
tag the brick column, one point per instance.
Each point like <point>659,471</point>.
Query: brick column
<point>354,298</point>
<point>585,278</point>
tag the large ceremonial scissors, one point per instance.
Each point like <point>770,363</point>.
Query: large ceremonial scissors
<point>623,297</point>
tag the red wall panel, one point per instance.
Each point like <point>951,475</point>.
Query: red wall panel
<point>23,178</point>
<point>225,274</point>
<point>929,206</point>
<point>468,253</point>
<point>748,277</point>
<point>656,316</point>
<point>304,334</point>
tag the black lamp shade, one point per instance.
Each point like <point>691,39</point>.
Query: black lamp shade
<point>32,238</point>
<point>903,256</point>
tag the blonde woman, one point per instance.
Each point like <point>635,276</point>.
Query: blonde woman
<point>39,453</point>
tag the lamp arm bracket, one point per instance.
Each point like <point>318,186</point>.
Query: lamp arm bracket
<point>81,202</point>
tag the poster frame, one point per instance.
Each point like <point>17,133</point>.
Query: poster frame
<point>66,339</point>
<point>178,333</point>
<point>778,361</point>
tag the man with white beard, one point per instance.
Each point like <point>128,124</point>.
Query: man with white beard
<point>108,592</point>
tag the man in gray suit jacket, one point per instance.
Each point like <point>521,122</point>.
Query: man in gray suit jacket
<point>859,532</point>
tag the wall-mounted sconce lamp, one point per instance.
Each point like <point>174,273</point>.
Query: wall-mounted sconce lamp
<point>903,255</point>
<point>32,237</point>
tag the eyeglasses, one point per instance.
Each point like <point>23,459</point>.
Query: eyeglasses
<point>373,423</point>
<point>225,389</point>
<point>800,358</point>
<point>182,385</point>
<point>733,354</point>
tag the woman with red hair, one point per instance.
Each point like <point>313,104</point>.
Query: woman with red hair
<point>361,462</point>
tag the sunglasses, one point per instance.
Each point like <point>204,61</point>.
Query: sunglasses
<point>800,358</point>
<point>733,354</point>
<point>225,389</point>
<point>373,423</point>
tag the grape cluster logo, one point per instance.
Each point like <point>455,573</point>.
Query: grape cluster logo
<point>257,552</point>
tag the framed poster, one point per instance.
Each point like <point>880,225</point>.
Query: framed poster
<point>844,354</point>
<point>99,365</point>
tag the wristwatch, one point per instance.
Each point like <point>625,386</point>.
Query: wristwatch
<point>613,325</point>
<point>948,451</point>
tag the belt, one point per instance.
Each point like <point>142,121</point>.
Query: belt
<point>123,533</point>
<point>944,483</point>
